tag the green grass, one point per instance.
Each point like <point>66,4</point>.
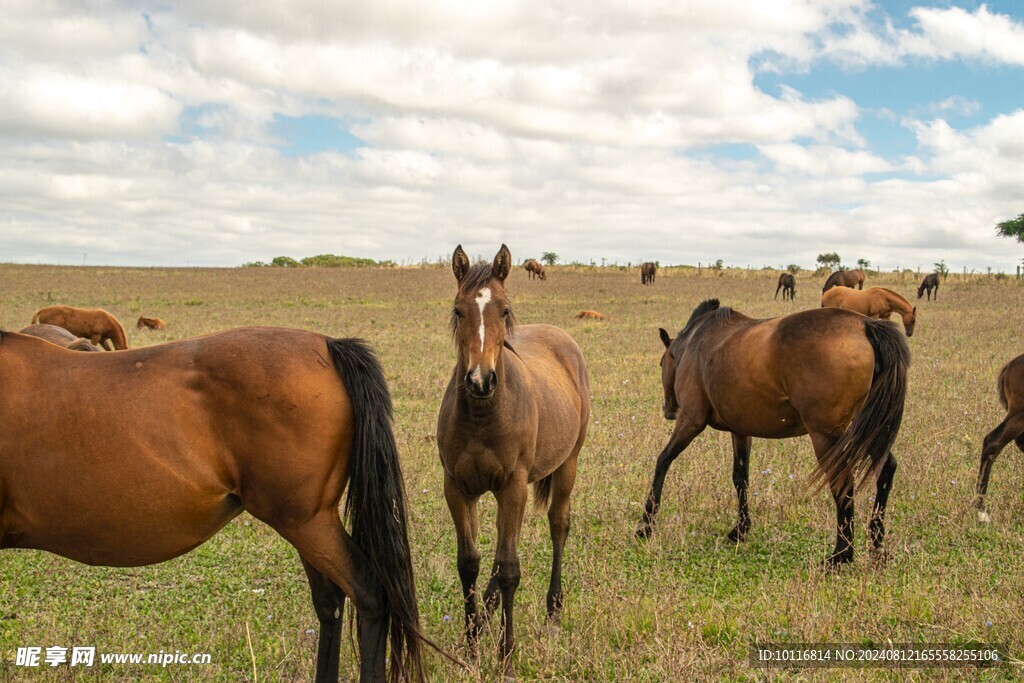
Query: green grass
<point>685,605</point>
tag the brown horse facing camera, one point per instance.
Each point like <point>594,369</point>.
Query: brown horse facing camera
<point>150,323</point>
<point>1010,386</point>
<point>930,282</point>
<point>647,273</point>
<point>875,302</point>
<point>515,413</point>
<point>95,324</point>
<point>832,374</point>
<point>274,422</point>
<point>60,337</point>
<point>535,269</point>
<point>845,278</point>
<point>787,283</point>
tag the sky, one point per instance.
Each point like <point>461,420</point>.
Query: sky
<point>213,133</point>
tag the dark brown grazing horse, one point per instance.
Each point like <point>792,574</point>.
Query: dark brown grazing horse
<point>515,413</point>
<point>845,278</point>
<point>95,324</point>
<point>150,323</point>
<point>1010,387</point>
<point>930,282</point>
<point>874,302</point>
<point>647,273</point>
<point>272,421</point>
<point>60,337</point>
<point>833,374</point>
<point>787,283</point>
<point>535,269</point>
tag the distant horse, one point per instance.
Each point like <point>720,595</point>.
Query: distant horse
<point>787,283</point>
<point>930,282</point>
<point>60,337</point>
<point>272,421</point>
<point>845,278</point>
<point>515,413</point>
<point>1010,387</point>
<point>592,315</point>
<point>150,323</point>
<point>647,273</point>
<point>876,302</point>
<point>829,373</point>
<point>95,324</point>
<point>535,269</point>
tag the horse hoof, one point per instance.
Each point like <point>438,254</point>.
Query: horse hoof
<point>736,535</point>
<point>644,531</point>
<point>983,517</point>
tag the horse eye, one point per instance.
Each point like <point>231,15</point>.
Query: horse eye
<point>506,313</point>
<point>456,312</point>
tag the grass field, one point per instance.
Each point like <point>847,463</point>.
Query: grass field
<point>686,605</point>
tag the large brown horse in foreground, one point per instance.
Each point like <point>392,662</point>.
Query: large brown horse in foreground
<point>1010,386</point>
<point>60,337</point>
<point>648,271</point>
<point>875,302</point>
<point>515,413</point>
<point>787,283</point>
<point>845,278</point>
<point>272,421</point>
<point>829,373</point>
<point>95,324</point>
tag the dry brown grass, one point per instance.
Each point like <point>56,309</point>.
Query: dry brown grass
<point>686,605</point>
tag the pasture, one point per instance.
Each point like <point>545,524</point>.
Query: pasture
<point>684,605</point>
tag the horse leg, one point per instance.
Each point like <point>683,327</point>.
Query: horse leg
<point>1010,429</point>
<point>876,528</point>
<point>740,476</point>
<point>463,513</point>
<point>777,288</point>
<point>511,509</point>
<point>323,542</point>
<point>684,432</point>
<point>842,494</point>
<point>328,603</point>
<point>562,482</point>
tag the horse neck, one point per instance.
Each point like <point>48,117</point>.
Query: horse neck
<point>897,303</point>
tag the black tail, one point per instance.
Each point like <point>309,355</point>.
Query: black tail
<point>864,446</point>
<point>375,505</point>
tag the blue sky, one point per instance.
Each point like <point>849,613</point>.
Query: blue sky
<point>759,133</point>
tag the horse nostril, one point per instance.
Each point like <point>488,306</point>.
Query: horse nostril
<point>492,379</point>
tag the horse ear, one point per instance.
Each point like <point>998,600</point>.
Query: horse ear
<point>665,339</point>
<point>460,263</point>
<point>502,263</point>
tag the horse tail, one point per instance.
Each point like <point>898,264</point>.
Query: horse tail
<point>375,504</point>
<point>864,446</point>
<point>542,492</point>
<point>1001,386</point>
<point>35,316</point>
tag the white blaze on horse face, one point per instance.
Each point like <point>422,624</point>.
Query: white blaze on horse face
<point>482,299</point>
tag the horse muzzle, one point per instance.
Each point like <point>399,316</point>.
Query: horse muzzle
<point>480,385</point>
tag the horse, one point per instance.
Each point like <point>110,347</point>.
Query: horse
<point>876,302</point>
<point>60,337</point>
<point>1010,387</point>
<point>95,324</point>
<point>930,282</point>
<point>515,413</point>
<point>787,283</point>
<point>275,422</point>
<point>150,323</point>
<point>647,273</point>
<point>590,315</point>
<point>845,278</point>
<point>535,269</point>
<point>833,374</point>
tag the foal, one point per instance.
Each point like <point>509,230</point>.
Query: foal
<point>508,420</point>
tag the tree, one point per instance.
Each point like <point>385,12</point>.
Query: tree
<point>284,262</point>
<point>863,263</point>
<point>941,268</point>
<point>1012,228</point>
<point>829,260</point>
<point>549,258</point>
<point>793,268</point>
